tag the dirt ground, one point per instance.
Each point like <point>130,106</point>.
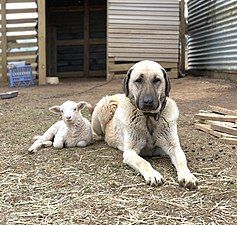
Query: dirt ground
<point>91,185</point>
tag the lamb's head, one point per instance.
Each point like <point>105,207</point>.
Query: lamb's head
<point>70,111</point>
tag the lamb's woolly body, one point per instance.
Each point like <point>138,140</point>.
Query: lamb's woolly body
<point>60,134</point>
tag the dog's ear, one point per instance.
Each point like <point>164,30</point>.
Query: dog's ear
<point>167,83</point>
<point>126,81</point>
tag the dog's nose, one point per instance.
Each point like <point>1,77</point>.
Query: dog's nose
<point>148,101</point>
<point>68,117</point>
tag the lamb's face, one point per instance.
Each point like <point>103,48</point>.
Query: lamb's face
<point>69,110</point>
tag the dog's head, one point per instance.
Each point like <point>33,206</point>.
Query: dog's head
<point>147,85</point>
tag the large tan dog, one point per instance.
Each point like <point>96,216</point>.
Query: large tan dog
<point>143,122</point>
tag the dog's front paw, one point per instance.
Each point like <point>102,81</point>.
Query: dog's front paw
<point>153,178</point>
<point>188,180</point>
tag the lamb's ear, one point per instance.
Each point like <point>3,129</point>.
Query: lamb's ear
<point>81,105</point>
<point>126,81</point>
<point>167,82</point>
<point>55,109</point>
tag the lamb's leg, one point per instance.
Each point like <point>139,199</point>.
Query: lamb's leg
<point>47,144</point>
<point>58,141</point>
<point>81,144</point>
<point>45,139</point>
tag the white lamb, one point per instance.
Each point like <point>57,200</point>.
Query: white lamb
<point>73,130</point>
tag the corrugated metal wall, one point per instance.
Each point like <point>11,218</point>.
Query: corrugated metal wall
<point>139,29</point>
<point>212,30</point>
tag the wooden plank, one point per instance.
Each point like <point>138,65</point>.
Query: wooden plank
<point>230,141</point>
<point>144,55</point>
<point>182,37</point>
<point>108,75</point>
<point>86,38</point>
<point>227,124</point>
<point>42,41</point>
<point>224,129</point>
<point>20,1</point>
<point>125,66</point>
<point>20,21</point>
<point>21,53</point>
<point>14,29</point>
<point>216,117</point>
<point>80,42</point>
<point>30,58</point>
<point>221,134</point>
<point>4,41</point>
<point>22,45</point>
<point>75,9</point>
<point>20,37</point>
<point>52,52</point>
<point>203,127</point>
<point>69,42</point>
<point>70,74</point>
<point>16,11</point>
<point>111,64</point>
<point>221,110</point>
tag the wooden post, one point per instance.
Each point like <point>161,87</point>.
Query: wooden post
<point>182,37</point>
<point>86,39</point>
<point>42,41</point>
<point>4,41</point>
<point>108,76</point>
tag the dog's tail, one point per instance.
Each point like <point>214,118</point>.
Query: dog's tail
<point>103,113</point>
<point>90,108</point>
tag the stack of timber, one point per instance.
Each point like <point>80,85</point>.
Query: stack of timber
<point>219,122</point>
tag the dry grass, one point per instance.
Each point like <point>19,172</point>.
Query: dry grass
<point>92,186</point>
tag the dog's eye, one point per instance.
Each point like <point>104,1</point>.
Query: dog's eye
<point>156,80</point>
<point>139,80</point>
<point>61,110</point>
<point>75,109</point>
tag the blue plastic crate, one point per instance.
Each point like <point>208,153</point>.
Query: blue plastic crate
<point>21,76</point>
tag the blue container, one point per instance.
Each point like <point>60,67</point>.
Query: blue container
<point>21,76</point>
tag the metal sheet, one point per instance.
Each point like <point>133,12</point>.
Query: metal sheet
<point>212,43</point>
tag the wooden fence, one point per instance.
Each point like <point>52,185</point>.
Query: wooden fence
<point>23,35</point>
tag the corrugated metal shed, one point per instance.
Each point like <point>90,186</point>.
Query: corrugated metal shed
<point>139,30</point>
<point>212,30</point>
